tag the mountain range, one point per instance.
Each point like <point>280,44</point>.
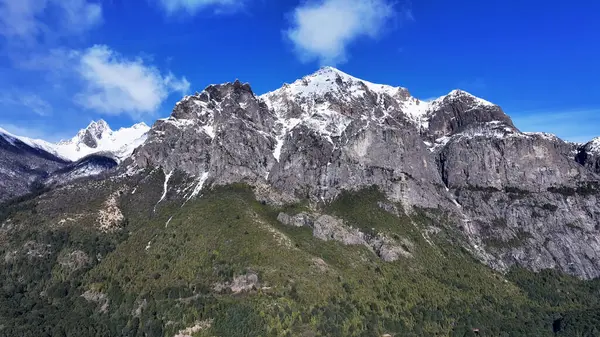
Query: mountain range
<point>451,181</point>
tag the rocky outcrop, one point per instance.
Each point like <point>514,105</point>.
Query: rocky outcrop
<point>240,283</point>
<point>74,260</point>
<point>102,301</point>
<point>223,132</point>
<point>326,228</point>
<point>460,110</point>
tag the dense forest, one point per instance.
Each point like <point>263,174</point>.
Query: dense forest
<point>158,275</point>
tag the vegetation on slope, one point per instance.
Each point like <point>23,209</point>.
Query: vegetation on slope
<point>167,271</point>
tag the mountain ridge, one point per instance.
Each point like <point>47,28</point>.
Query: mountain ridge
<point>330,132</point>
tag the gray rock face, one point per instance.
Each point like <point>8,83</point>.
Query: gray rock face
<point>529,203</point>
<point>520,198</point>
<point>528,162</point>
<point>323,134</point>
<point>224,132</point>
<point>299,220</point>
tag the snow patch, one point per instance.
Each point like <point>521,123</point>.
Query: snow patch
<point>199,185</point>
<point>165,189</point>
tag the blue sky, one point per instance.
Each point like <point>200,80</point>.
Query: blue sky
<point>64,63</point>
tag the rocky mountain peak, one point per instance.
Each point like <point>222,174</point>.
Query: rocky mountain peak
<point>459,110</point>
<point>90,136</point>
<point>98,127</point>
<point>593,146</point>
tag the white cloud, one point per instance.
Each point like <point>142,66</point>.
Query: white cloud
<point>192,6</point>
<point>322,30</point>
<point>36,104</point>
<point>32,20</point>
<point>116,85</point>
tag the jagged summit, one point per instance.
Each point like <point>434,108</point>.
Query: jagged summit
<point>98,137</point>
<point>593,146</point>
<point>329,79</point>
<point>458,94</point>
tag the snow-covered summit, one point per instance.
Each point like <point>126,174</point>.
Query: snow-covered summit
<point>332,81</point>
<point>593,146</point>
<point>330,99</point>
<point>98,137</point>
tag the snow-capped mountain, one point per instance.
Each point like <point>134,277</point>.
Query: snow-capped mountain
<point>96,138</point>
<point>25,162</point>
<point>99,138</point>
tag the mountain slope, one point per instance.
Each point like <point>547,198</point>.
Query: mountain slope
<point>225,264</point>
<point>93,150</point>
<point>21,166</point>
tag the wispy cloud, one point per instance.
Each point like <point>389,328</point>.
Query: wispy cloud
<point>32,21</point>
<point>193,6</point>
<point>574,125</point>
<point>28,102</point>
<point>100,79</point>
<point>322,30</point>
<point>116,85</point>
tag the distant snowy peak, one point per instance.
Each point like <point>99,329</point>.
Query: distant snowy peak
<point>593,146</point>
<point>98,137</point>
